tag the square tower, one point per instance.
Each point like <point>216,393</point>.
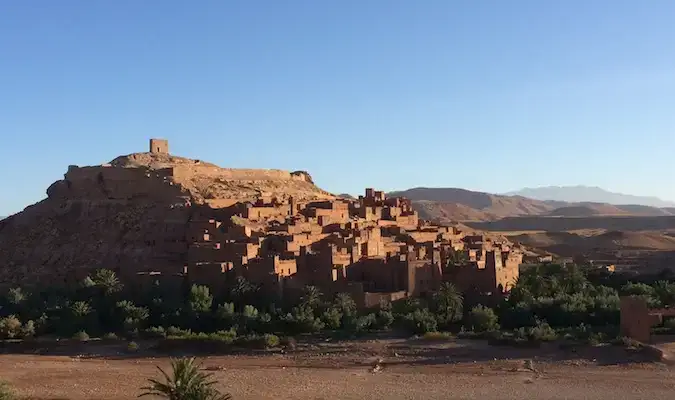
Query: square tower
<point>160,146</point>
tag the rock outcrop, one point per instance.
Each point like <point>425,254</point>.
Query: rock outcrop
<point>130,214</point>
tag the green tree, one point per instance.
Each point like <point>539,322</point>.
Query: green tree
<point>186,382</point>
<point>345,304</point>
<point>447,303</point>
<point>200,299</point>
<point>483,319</point>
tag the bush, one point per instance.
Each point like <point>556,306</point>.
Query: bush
<point>265,341</point>
<point>6,393</point>
<point>542,333</point>
<point>109,336</point>
<point>175,332</point>
<point>10,327</point>
<point>82,336</point>
<point>437,336</point>
<point>271,341</point>
<point>155,332</point>
<point>420,321</point>
<point>28,329</point>
<point>483,319</point>
<point>132,347</point>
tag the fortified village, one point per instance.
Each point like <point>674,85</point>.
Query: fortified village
<point>156,217</point>
<point>375,248</point>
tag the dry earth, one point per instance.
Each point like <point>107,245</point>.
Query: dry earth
<point>452,370</point>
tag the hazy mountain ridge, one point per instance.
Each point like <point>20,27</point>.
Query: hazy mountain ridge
<point>577,194</point>
<point>454,204</point>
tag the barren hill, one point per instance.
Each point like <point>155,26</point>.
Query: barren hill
<point>464,205</point>
<point>452,204</point>
<point>130,213</point>
<point>574,243</point>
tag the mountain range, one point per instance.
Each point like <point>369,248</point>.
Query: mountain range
<point>460,205</point>
<point>593,194</point>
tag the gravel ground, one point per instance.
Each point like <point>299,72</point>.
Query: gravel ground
<point>347,373</point>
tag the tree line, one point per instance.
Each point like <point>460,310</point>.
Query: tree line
<point>547,302</point>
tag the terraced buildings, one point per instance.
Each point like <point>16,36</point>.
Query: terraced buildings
<point>375,248</point>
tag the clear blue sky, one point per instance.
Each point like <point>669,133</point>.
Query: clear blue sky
<point>484,95</point>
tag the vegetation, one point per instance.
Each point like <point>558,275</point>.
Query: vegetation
<point>186,382</point>
<point>6,392</point>
<point>548,302</point>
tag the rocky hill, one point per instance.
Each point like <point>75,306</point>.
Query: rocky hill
<point>452,204</point>
<point>129,214</point>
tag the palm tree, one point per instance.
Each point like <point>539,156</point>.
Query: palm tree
<point>107,280</point>
<point>448,302</point>
<point>186,382</point>
<point>311,297</point>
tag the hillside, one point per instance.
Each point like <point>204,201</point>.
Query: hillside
<point>452,204</point>
<point>455,204</point>
<point>131,214</point>
<point>578,194</point>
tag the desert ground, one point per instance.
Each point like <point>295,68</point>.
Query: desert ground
<point>375,369</point>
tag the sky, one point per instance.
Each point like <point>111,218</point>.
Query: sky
<point>484,95</point>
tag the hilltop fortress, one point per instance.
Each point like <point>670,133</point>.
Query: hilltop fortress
<point>156,217</point>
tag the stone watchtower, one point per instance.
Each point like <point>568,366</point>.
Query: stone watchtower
<point>160,146</point>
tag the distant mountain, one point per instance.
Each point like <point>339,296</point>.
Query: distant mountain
<point>454,204</point>
<point>460,205</point>
<point>577,194</point>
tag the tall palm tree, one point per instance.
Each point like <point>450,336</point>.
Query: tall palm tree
<point>448,302</point>
<point>186,382</point>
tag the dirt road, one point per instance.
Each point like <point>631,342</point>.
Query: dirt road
<point>276,377</point>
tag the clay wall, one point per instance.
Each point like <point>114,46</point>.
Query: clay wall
<point>186,172</point>
<point>265,212</point>
<point>378,274</point>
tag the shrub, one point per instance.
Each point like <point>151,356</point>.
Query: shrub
<point>173,331</point>
<point>384,319</point>
<point>28,329</point>
<point>10,327</point>
<point>132,347</point>
<point>6,393</point>
<point>437,336</point>
<point>155,332</point>
<point>82,336</point>
<point>420,321</point>
<point>332,317</point>
<point>542,332</point>
<point>271,341</point>
<point>483,319</point>
<point>110,336</point>
<point>265,341</point>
